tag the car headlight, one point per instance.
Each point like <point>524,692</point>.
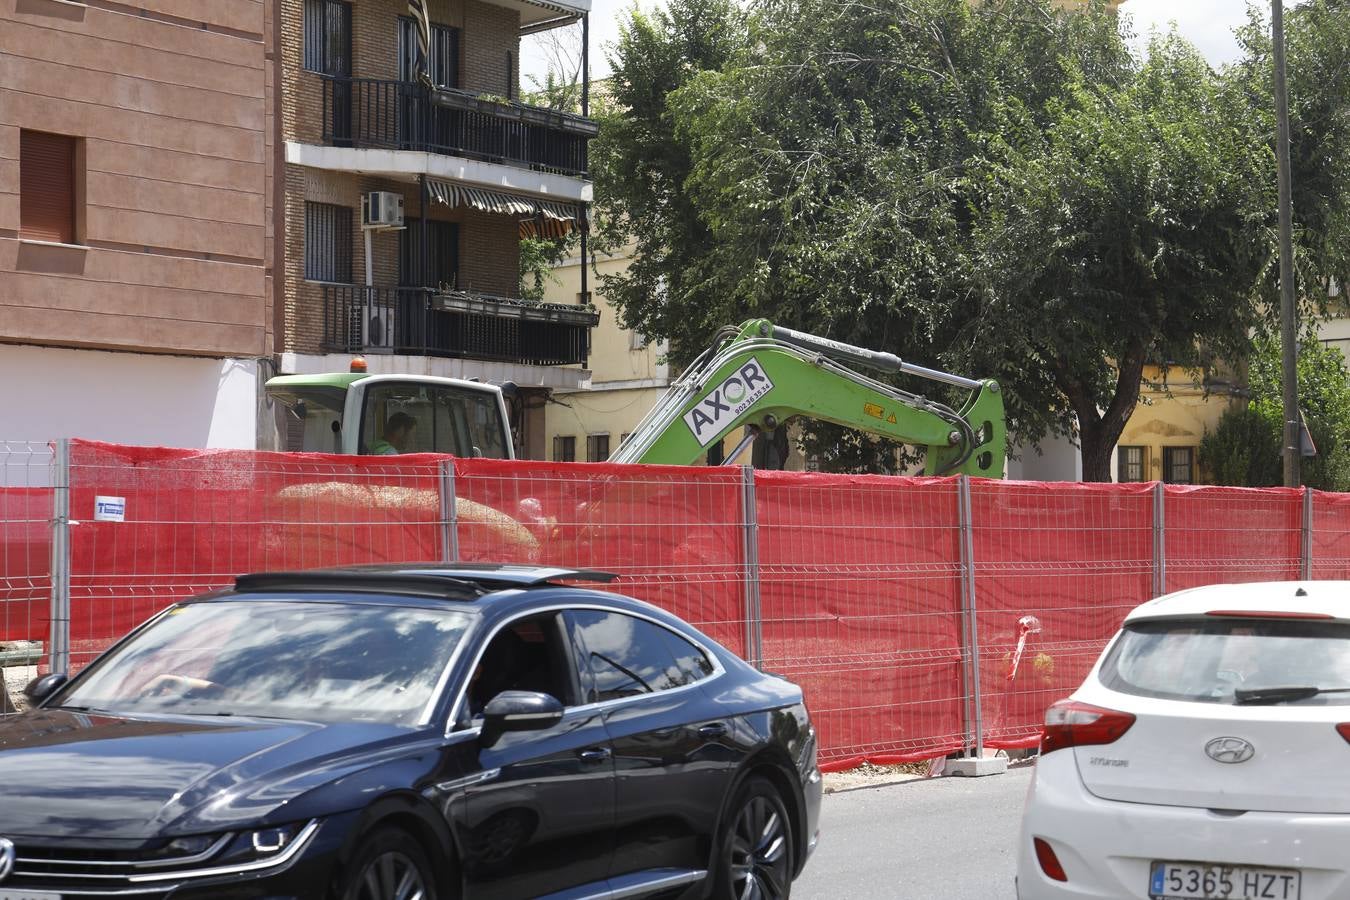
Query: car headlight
<point>262,844</point>
<point>244,851</point>
<point>227,849</point>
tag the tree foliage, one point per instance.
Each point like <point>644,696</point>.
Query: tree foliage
<point>1245,447</point>
<point>999,189</point>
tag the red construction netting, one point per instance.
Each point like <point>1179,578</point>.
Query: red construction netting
<point>1330,535</point>
<point>196,518</point>
<point>860,599</point>
<point>25,563</point>
<point>1057,566</point>
<point>1232,535</point>
<point>674,533</point>
<point>25,540</point>
<point>860,578</point>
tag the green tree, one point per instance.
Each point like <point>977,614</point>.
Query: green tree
<point>1317,38</point>
<point>640,168</point>
<point>999,189</point>
<point>1244,449</point>
<point>538,258</point>
<point>1129,231</point>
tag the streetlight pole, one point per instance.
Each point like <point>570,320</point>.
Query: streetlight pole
<point>1288,311</point>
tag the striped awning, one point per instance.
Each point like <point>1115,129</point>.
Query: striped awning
<point>539,218</point>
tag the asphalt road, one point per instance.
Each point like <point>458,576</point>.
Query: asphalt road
<point>940,839</point>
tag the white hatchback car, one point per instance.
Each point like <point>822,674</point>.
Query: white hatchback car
<point>1207,755</point>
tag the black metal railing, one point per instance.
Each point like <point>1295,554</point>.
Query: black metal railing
<point>402,115</point>
<point>461,324</point>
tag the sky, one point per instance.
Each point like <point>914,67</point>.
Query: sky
<point>1208,24</point>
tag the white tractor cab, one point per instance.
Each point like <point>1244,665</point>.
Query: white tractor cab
<point>353,413</point>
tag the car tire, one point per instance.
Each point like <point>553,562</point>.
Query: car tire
<point>755,846</point>
<point>391,865</point>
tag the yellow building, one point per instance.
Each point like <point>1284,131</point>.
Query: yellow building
<point>628,374</point>
<point>1161,441</point>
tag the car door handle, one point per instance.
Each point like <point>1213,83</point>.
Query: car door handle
<point>595,754</point>
<point>713,730</point>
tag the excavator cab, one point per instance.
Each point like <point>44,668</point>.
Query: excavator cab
<point>352,413</point>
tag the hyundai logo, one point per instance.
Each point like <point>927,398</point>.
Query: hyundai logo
<point>1230,750</point>
<point>6,858</point>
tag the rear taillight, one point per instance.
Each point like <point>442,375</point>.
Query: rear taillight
<point>1045,855</point>
<point>1072,724</point>
<point>1343,730</point>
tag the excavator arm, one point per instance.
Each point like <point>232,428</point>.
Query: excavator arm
<point>760,375</point>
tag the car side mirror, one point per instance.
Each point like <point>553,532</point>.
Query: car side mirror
<point>519,711</point>
<point>40,689</point>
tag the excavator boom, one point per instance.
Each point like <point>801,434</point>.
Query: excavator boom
<point>760,375</point>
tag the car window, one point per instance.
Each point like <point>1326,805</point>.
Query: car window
<point>1207,660</point>
<point>284,658</point>
<point>628,656</point>
<point>693,663</point>
<point>526,655</point>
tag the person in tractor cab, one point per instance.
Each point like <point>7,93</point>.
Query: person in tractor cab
<point>397,433</point>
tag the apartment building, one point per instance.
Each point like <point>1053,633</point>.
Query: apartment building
<point>401,205</point>
<point>134,204</point>
<point>628,374</point>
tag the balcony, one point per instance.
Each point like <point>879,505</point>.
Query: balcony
<point>370,113</point>
<point>460,324</point>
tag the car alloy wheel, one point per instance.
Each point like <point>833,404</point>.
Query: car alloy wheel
<point>391,876</point>
<point>391,867</point>
<point>759,853</point>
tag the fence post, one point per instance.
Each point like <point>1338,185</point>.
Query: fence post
<point>754,623</point>
<point>1306,543</point>
<point>449,513</point>
<point>970,621</point>
<point>1159,539</point>
<point>59,652</point>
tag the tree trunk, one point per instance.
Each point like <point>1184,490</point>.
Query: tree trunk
<point>1098,431</point>
<point>1096,444</point>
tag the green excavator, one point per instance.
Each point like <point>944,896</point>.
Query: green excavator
<point>755,376</point>
<point>758,375</point>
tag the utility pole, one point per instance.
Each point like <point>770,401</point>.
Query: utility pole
<point>1288,311</point>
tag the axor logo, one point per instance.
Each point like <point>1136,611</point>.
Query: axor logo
<point>7,854</point>
<point>727,401</point>
<point>1230,750</point>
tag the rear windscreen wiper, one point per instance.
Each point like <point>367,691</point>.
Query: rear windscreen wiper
<point>1257,696</point>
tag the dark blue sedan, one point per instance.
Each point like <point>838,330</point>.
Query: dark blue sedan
<point>409,733</point>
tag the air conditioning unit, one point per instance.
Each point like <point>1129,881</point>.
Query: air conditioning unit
<point>382,209</point>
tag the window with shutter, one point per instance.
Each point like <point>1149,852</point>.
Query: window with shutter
<point>444,66</point>
<point>328,37</point>
<point>47,186</point>
<point>597,447</point>
<point>328,243</point>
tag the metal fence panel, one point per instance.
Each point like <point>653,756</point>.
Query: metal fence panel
<point>1057,566</point>
<point>1330,548</point>
<point>26,511</point>
<point>673,533</point>
<point>1225,535</point>
<point>180,522</point>
<point>861,601</point>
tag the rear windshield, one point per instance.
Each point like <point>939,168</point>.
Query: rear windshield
<point>1206,660</point>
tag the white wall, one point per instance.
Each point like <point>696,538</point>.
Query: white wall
<point>127,398</point>
<point>1059,460</point>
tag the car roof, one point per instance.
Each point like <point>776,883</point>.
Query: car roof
<point>458,581</point>
<point>1313,599</point>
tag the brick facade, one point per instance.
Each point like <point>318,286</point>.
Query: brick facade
<point>489,249</point>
